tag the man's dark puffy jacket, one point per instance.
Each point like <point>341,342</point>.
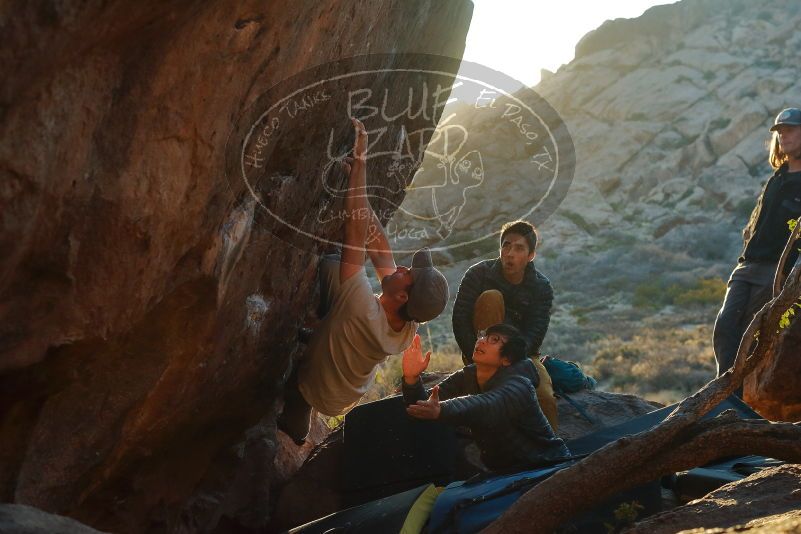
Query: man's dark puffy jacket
<point>528,304</point>
<point>507,422</point>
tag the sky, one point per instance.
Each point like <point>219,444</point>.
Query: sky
<point>520,37</point>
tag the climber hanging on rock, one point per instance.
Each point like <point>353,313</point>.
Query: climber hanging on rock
<point>358,329</point>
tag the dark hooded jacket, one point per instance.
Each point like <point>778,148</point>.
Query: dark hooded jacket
<point>505,418</point>
<point>767,231</point>
<point>527,304</point>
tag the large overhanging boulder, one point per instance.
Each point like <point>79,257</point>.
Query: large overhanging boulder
<point>148,312</point>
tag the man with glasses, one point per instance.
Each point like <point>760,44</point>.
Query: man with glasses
<point>494,396</point>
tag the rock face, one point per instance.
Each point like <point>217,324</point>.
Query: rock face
<point>321,476</point>
<point>148,309</point>
<point>669,113</point>
<point>606,409</point>
<point>21,519</point>
<point>769,501</point>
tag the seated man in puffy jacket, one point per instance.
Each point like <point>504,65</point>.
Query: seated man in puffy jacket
<point>495,396</point>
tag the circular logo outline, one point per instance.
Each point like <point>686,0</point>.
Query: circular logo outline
<point>562,142</point>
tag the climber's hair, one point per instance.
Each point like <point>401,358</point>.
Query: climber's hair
<point>777,157</point>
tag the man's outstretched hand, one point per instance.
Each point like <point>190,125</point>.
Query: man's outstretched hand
<point>360,144</point>
<point>427,409</point>
<point>413,363</point>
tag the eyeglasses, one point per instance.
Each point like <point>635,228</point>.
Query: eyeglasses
<point>492,339</point>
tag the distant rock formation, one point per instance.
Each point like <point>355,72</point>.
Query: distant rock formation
<point>148,312</point>
<point>669,114</point>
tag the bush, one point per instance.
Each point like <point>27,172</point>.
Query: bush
<point>707,291</point>
<point>659,364</point>
<point>653,294</point>
<point>579,221</point>
<point>657,294</point>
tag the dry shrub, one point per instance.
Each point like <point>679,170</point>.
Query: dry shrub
<point>702,292</point>
<point>664,365</point>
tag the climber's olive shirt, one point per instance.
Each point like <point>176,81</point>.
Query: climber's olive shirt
<point>352,339</point>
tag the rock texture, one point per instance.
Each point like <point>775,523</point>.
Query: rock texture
<point>769,501</point>
<point>21,519</point>
<point>606,409</point>
<point>148,312</point>
<point>670,134</point>
<point>669,114</point>
<point>321,476</point>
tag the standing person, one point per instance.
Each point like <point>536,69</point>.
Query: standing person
<point>508,289</point>
<point>495,396</point>
<point>358,329</point>
<point>764,239</point>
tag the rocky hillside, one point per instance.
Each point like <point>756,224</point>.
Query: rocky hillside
<point>148,309</point>
<point>669,115</point>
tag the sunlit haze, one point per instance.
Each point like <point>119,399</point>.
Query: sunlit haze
<point>520,37</point>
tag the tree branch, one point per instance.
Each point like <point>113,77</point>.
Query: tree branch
<point>571,491</point>
<point>778,279</point>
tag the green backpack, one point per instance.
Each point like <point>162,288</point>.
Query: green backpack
<point>567,377</point>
